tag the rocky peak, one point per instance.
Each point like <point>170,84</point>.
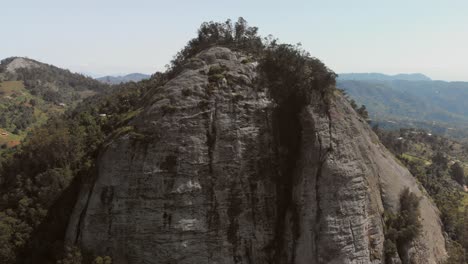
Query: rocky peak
<point>19,62</point>
<point>212,171</point>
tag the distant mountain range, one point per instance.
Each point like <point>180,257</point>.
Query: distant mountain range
<point>410,100</point>
<point>383,77</point>
<point>133,77</point>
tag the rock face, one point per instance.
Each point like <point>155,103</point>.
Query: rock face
<point>18,63</point>
<point>201,178</point>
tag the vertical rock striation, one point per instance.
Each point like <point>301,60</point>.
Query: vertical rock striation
<point>213,172</point>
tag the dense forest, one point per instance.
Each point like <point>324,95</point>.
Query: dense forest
<point>30,95</point>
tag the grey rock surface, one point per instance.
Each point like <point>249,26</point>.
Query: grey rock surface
<point>198,180</point>
<point>19,63</point>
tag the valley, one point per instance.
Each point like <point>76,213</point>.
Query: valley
<point>394,103</point>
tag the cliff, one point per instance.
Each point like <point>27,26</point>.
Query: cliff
<point>213,171</point>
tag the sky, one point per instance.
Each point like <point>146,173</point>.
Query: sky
<point>102,37</point>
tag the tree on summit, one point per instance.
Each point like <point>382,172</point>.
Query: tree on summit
<point>235,36</point>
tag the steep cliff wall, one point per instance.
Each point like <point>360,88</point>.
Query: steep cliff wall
<point>211,171</point>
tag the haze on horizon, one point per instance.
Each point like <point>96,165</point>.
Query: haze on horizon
<point>119,37</point>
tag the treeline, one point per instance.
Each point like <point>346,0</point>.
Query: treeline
<point>288,69</point>
<point>237,36</point>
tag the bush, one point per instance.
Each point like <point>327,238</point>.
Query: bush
<point>362,111</point>
<point>216,73</point>
<point>456,253</point>
<point>215,78</point>
<point>103,260</point>
<point>409,222</point>
<point>402,228</point>
<point>217,69</point>
<point>72,255</point>
<point>457,173</point>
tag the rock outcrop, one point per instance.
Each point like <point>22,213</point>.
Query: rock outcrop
<point>18,63</point>
<point>201,178</point>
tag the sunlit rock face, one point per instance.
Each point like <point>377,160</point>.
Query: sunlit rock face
<point>208,174</point>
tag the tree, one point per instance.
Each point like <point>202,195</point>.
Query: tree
<point>238,36</point>
<point>409,216</point>
<point>291,74</point>
<point>439,161</point>
<point>362,111</point>
<point>457,173</point>
<point>404,226</point>
<point>353,104</point>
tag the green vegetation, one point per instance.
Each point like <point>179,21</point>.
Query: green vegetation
<point>103,260</point>
<point>237,36</point>
<point>37,173</point>
<point>30,96</point>
<point>216,73</point>
<point>412,158</point>
<point>428,157</point>
<point>403,227</point>
<point>8,140</point>
<point>433,105</point>
<point>15,105</point>
<point>464,203</point>
<point>457,173</point>
<point>288,70</point>
<point>362,111</point>
<point>290,74</point>
<point>51,83</point>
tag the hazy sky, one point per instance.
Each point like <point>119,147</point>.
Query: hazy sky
<point>112,37</point>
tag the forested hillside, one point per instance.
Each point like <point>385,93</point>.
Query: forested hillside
<point>37,174</point>
<point>31,92</point>
<point>441,166</point>
<point>435,105</point>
